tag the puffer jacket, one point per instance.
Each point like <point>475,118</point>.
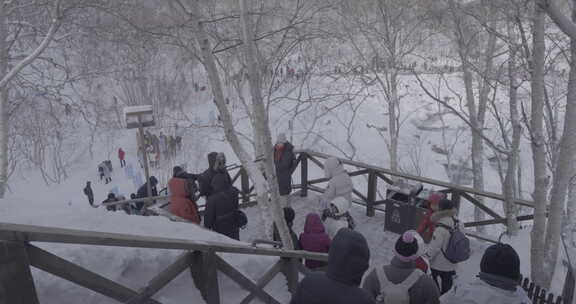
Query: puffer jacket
<point>314,239</point>
<point>180,202</point>
<point>348,260</point>
<point>440,240</point>
<point>480,291</point>
<point>338,220</point>
<point>340,183</point>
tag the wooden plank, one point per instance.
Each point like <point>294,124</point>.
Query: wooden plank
<point>236,176</point>
<point>425,180</point>
<point>317,162</point>
<point>498,221</point>
<point>243,281</point>
<point>17,232</point>
<point>371,197</point>
<point>144,199</point>
<point>16,282</point>
<point>569,285</point>
<point>359,172</point>
<point>360,195</point>
<point>481,206</point>
<point>57,266</point>
<point>245,186</point>
<point>318,181</point>
<point>290,270</point>
<point>204,273</point>
<point>384,178</point>
<point>163,278</point>
<point>304,174</point>
<point>264,280</point>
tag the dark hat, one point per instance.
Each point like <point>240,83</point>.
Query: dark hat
<point>446,204</point>
<point>111,195</point>
<point>153,180</point>
<point>409,246</point>
<point>177,170</point>
<point>502,260</point>
<point>289,215</point>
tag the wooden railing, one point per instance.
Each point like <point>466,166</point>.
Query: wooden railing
<point>199,257</point>
<point>538,295</point>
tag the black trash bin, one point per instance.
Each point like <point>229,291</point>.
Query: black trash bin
<point>402,211</point>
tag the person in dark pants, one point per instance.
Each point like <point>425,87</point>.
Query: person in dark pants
<point>221,207</point>
<point>348,260</point>
<point>441,267</point>
<point>121,155</point>
<point>89,193</point>
<point>284,160</point>
<point>143,192</point>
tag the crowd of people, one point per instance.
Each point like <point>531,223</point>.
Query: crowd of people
<point>425,259</point>
<point>160,146</point>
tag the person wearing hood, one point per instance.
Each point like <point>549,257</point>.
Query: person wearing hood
<point>420,288</point>
<point>339,184</point>
<point>222,206</point>
<point>314,239</point>
<point>205,178</point>
<point>440,266</point>
<point>497,282</point>
<point>336,216</point>
<point>182,189</point>
<point>143,192</point>
<point>348,260</point>
<point>284,160</point>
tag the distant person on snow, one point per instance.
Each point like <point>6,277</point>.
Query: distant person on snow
<point>314,239</point>
<point>121,155</point>
<point>89,193</point>
<point>402,282</point>
<point>143,192</point>
<point>284,160</point>
<point>289,216</point>
<point>101,171</point>
<point>222,207</point>
<point>348,260</point>
<point>182,189</point>
<point>111,198</point>
<point>497,282</point>
<point>339,185</point>
<point>441,267</point>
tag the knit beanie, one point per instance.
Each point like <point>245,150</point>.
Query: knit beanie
<point>502,260</point>
<point>409,246</point>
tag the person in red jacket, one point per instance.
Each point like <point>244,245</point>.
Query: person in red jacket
<point>182,203</point>
<point>426,227</point>
<point>121,155</point>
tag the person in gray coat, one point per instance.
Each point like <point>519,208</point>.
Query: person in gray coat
<point>409,247</point>
<point>340,183</point>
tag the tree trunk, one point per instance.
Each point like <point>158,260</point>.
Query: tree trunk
<point>261,126</point>
<point>3,102</point>
<point>563,171</point>
<point>510,181</point>
<point>538,144</point>
<point>392,120</point>
<point>571,205</point>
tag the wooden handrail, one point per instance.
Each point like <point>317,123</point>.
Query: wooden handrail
<point>28,233</point>
<point>418,178</point>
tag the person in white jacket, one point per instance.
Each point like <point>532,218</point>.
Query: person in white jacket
<point>497,282</point>
<point>335,216</point>
<point>440,266</point>
<point>339,185</point>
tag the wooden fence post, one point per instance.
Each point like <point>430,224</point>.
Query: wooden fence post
<point>569,285</point>
<point>371,197</point>
<point>290,270</point>
<point>456,198</point>
<point>304,176</point>
<point>245,185</point>
<point>204,272</point>
<point>16,283</point>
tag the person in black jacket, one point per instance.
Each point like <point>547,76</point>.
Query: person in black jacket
<point>143,192</point>
<point>348,260</point>
<point>89,193</point>
<point>289,216</point>
<point>111,198</point>
<point>284,160</point>
<point>221,207</point>
<point>205,178</point>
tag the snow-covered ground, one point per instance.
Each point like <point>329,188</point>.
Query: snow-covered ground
<point>319,128</point>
